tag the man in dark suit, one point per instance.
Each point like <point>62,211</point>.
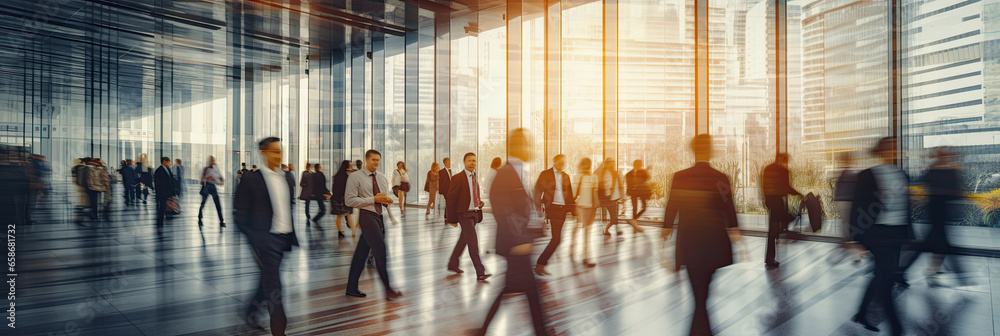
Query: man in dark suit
<point>163,183</point>
<point>703,199</point>
<point>512,207</point>
<point>290,177</point>
<point>129,180</point>
<point>466,209</point>
<point>775,186</point>
<point>554,194</point>
<point>444,178</point>
<point>880,220</point>
<point>266,219</point>
<point>179,176</point>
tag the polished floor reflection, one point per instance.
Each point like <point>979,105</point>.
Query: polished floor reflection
<point>115,277</point>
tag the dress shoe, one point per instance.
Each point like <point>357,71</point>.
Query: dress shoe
<point>588,264</point>
<point>355,293</point>
<point>864,322</point>
<point>772,265</point>
<point>341,234</point>
<point>482,278</point>
<point>901,283</point>
<point>393,295</point>
<point>222,224</point>
<point>456,270</point>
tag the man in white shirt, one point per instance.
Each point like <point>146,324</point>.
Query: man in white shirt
<point>365,191</point>
<point>264,215</point>
<point>554,194</point>
<point>466,208</point>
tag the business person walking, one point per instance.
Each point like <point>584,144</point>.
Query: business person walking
<point>703,199</point>
<point>164,184</point>
<point>466,209</point>
<point>431,186</point>
<point>365,191</point>
<point>554,195</point>
<point>512,207</point>
<point>337,206</point>
<point>264,215</point>
<point>444,180</point>
<point>320,193</point>
<point>586,208</point>
<point>211,179</point>
<point>880,220</point>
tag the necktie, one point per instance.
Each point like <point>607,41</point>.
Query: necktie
<point>475,190</point>
<point>376,191</point>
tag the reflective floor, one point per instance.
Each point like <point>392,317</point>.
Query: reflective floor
<point>115,278</point>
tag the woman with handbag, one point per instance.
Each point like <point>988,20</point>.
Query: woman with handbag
<point>211,177</point>
<point>586,208</point>
<point>431,186</point>
<point>610,193</point>
<point>401,185</point>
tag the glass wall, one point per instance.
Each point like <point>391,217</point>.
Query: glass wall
<point>587,78</point>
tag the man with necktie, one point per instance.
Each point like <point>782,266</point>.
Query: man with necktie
<point>364,191</point>
<point>466,209</point>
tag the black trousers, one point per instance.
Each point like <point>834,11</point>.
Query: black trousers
<point>520,279</point>
<point>701,280</point>
<point>777,222</point>
<point>467,238</point>
<point>92,198</point>
<point>635,206</point>
<point>322,210</point>
<point>268,251</point>
<point>557,217</point>
<point>372,240</point>
<point>884,243</point>
<point>129,193</point>
<point>210,190</point>
<point>161,211</point>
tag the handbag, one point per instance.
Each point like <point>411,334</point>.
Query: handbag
<point>404,186</point>
<point>427,184</point>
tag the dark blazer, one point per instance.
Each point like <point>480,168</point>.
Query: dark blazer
<point>545,189</point>
<point>164,184</point>
<point>512,210</point>
<point>459,198</point>
<point>179,174</point>
<point>703,199</point>
<point>318,185</point>
<point>868,205</point>
<point>306,192</point>
<point>339,187</point>
<point>144,176</point>
<point>444,181</point>
<point>129,177</point>
<point>290,178</point>
<point>253,211</point>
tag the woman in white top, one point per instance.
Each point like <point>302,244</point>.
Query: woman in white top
<point>586,207</point>
<point>211,178</point>
<point>401,184</point>
<point>610,191</point>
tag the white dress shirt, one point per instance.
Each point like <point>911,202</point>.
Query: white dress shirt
<point>519,169</point>
<point>469,176</point>
<point>277,189</point>
<point>894,189</point>
<point>558,198</point>
<point>359,192</point>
